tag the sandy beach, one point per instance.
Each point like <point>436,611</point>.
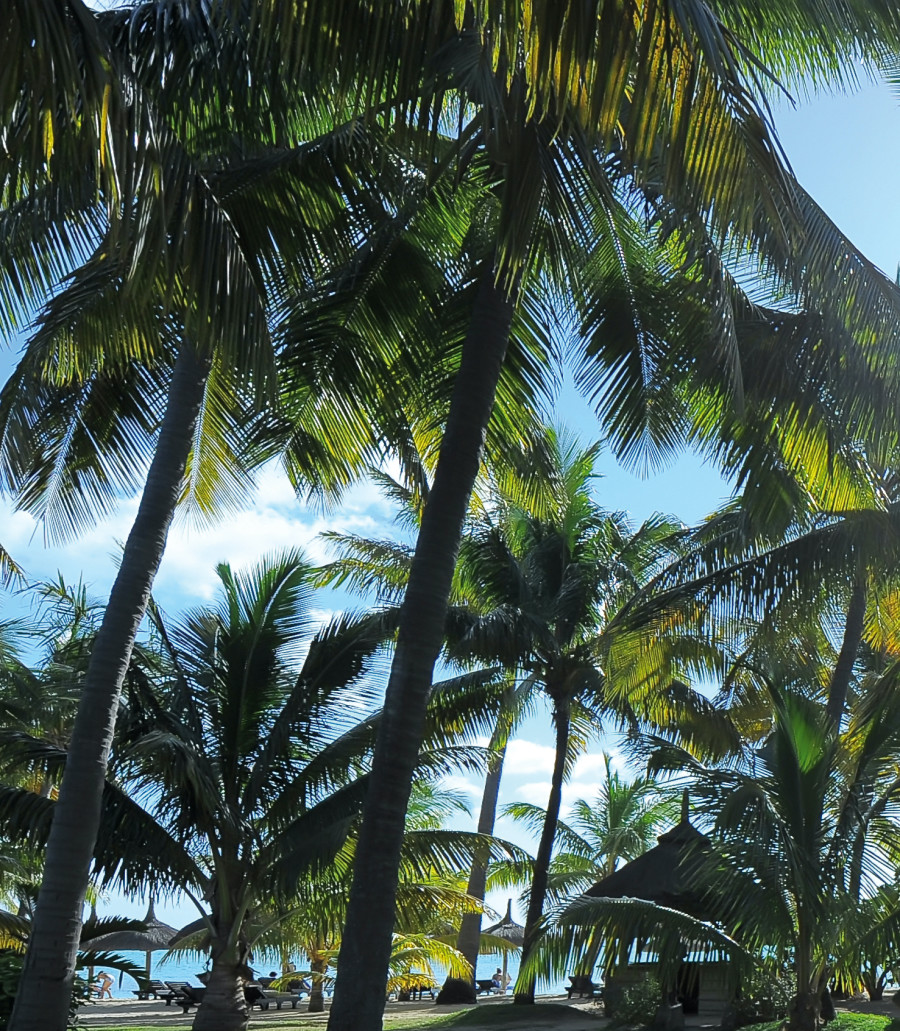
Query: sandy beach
<point>152,1013</point>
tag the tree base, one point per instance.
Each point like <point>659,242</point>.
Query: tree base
<point>803,1012</point>
<point>457,992</point>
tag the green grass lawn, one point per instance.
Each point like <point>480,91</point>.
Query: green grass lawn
<point>845,1022</point>
<point>505,1016</point>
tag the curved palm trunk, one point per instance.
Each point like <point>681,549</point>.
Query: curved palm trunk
<point>469,938</point>
<point>525,985</point>
<point>843,668</point>
<point>366,943</point>
<point>42,1003</point>
<point>224,1006</point>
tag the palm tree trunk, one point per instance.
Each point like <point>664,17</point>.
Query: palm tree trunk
<point>224,1006</point>
<point>874,983</point>
<point>366,943</point>
<point>469,937</point>
<point>42,1003</point>
<point>318,965</point>
<point>803,1009</point>
<point>843,668</point>
<point>856,858</point>
<point>525,985</point>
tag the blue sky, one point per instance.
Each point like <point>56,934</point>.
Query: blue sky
<point>846,152</point>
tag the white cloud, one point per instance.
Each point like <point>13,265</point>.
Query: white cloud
<point>588,766</point>
<point>274,490</point>
<point>191,555</point>
<point>466,786</point>
<point>527,757</point>
<point>537,792</point>
<point>18,529</point>
<point>273,520</point>
<point>93,555</point>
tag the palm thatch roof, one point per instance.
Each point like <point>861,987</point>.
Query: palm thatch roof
<point>155,937</point>
<point>507,928</point>
<point>669,874</point>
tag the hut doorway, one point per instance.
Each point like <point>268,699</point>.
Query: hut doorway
<point>687,988</point>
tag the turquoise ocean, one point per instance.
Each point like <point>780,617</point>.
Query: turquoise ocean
<point>179,968</point>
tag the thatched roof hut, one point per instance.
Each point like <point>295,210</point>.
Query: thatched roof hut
<point>669,874</point>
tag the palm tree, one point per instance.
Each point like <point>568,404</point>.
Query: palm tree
<point>447,24</point>
<point>381,567</point>
<point>429,899</point>
<point>40,697</point>
<point>166,299</point>
<point>619,824</point>
<point>132,251</point>
<point>801,844</point>
<point>800,836</point>
<point>821,569</point>
<point>252,761</point>
<point>79,412</point>
<point>15,929</point>
<point>573,105</point>
<point>247,772</point>
<point>550,589</point>
<point>490,602</point>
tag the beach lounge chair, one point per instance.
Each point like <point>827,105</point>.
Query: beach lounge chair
<point>172,990</point>
<point>155,990</point>
<point>583,985</point>
<point>415,992</point>
<point>253,994</point>
<point>278,998</point>
<point>190,996</point>
<point>485,987</point>
<point>266,997</point>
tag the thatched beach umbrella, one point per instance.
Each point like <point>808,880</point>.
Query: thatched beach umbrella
<point>154,938</point>
<point>509,930</point>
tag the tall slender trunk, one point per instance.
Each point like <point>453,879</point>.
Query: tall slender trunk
<point>843,668</point>
<point>366,943</point>
<point>469,938</point>
<point>856,858</point>
<point>803,1009</point>
<point>42,1002</point>
<point>561,714</point>
<point>224,1006</point>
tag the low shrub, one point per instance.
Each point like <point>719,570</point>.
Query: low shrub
<point>634,1004</point>
<point>765,995</point>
